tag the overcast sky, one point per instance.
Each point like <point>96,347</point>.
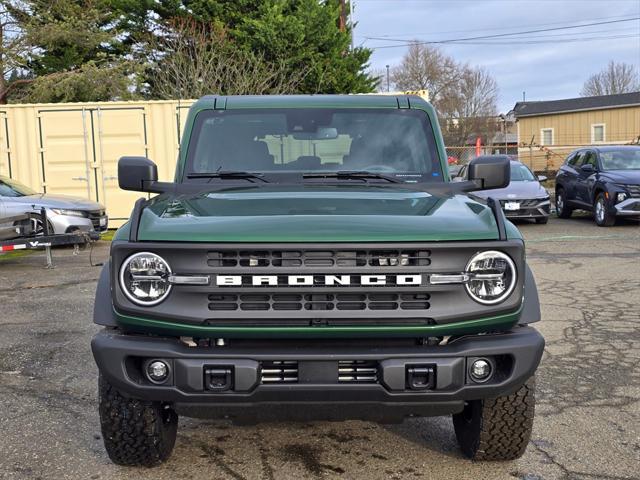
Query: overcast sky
<point>551,70</point>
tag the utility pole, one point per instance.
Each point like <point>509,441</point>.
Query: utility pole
<point>387,77</point>
<point>506,144</point>
<point>352,23</point>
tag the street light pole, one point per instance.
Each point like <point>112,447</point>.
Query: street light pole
<point>387,77</point>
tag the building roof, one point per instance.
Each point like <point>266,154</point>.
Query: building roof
<point>530,109</point>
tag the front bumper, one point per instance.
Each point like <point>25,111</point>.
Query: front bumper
<point>628,208</point>
<point>69,223</point>
<point>528,209</point>
<point>318,391</point>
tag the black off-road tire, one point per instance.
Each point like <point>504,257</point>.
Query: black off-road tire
<point>562,209</point>
<point>497,428</point>
<point>135,433</point>
<point>542,220</point>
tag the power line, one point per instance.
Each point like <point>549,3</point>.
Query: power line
<point>567,34</point>
<point>485,29</point>
<point>497,35</point>
<point>557,41</point>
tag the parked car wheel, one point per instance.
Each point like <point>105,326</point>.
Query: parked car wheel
<point>562,210</point>
<point>601,213</point>
<point>135,432</point>
<point>497,428</point>
<point>38,227</point>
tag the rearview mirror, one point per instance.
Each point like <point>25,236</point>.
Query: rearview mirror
<point>138,174</point>
<point>490,172</point>
<point>587,167</point>
<point>323,133</point>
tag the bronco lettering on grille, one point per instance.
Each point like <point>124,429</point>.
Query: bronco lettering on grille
<point>310,280</point>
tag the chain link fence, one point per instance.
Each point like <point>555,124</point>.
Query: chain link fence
<point>541,159</point>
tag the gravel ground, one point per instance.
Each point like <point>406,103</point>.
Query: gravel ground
<point>587,424</point>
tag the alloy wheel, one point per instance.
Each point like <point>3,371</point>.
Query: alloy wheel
<point>600,210</point>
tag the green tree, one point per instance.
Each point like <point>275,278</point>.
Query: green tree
<point>69,51</point>
<point>304,35</point>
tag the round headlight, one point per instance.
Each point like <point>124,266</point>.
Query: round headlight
<point>492,277</point>
<point>144,278</point>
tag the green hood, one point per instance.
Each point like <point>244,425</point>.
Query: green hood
<point>316,214</point>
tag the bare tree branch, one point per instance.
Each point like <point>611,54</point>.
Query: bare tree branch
<point>192,59</point>
<point>615,78</point>
<point>464,97</point>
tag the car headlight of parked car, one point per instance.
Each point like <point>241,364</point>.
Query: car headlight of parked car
<point>625,192</point>
<point>621,197</point>
<point>71,213</point>
<point>491,277</point>
<point>144,278</point>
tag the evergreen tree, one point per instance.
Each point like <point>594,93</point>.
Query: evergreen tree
<point>305,35</point>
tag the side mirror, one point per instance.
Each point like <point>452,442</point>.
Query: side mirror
<point>138,174</point>
<point>587,167</point>
<point>490,172</point>
<point>542,178</point>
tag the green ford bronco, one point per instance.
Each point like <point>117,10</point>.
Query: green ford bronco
<point>313,260</point>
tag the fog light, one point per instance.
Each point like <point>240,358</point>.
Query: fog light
<point>621,197</point>
<point>157,371</point>
<point>480,370</point>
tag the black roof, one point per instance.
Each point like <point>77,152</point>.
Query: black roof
<point>525,109</point>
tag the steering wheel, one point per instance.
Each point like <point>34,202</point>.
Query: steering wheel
<point>379,168</point>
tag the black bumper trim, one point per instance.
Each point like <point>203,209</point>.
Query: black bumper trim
<point>114,351</point>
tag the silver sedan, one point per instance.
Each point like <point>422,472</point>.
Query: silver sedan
<point>65,213</point>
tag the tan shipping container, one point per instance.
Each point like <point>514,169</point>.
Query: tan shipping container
<point>73,148</point>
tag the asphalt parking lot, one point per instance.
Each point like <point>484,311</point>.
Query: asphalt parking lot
<point>588,414</point>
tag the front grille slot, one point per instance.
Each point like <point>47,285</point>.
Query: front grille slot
<point>278,371</point>
<point>95,218</point>
<point>528,203</point>
<point>318,258</point>
<point>320,301</point>
<point>357,371</point>
<point>634,190</point>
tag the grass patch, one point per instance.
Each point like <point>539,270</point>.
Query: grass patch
<point>108,235</point>
<point>15,254</point>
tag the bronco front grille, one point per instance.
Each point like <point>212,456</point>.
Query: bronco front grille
<point>319,301</point>
<point>318,258</point>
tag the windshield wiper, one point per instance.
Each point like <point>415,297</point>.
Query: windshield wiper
<point>353,174</point>
<point>233,174</point>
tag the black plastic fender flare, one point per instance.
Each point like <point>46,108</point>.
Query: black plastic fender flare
<point>103,306</point>
<point>531,308</point>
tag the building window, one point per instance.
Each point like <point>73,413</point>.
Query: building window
<point>546,134</point>
<point>597,133</point>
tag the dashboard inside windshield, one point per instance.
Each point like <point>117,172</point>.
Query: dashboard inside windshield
<point>396,142</point>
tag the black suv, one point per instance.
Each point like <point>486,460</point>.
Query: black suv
<point>604,180</point>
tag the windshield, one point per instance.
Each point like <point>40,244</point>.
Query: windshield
<point>11,188</point>
<point>623,159</point>
<point>399,143</point>
<point>520,173</point>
